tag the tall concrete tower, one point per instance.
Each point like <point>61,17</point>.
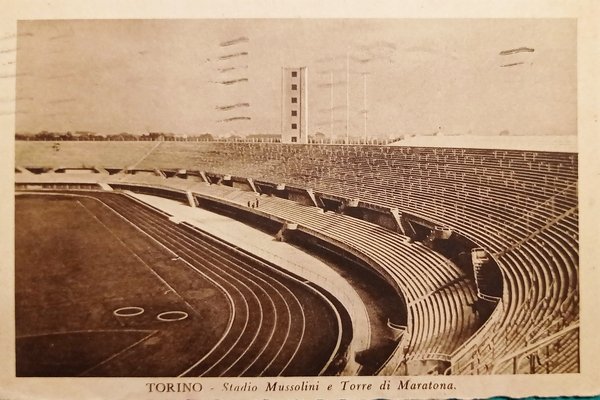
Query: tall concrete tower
<point>294,105</point>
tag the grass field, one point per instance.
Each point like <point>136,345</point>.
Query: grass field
<point>75,265</point>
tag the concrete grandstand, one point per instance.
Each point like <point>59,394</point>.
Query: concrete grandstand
<point>479,245</point>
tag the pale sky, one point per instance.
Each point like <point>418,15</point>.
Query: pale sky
<point>111,76</point>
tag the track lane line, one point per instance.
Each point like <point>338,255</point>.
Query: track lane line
<point>249,269</point>
<point>167,227</point>
<point>137,257</point>
<point>193,256</point>
<point>203,265</point>
<point>80,331</point>
<point>338,318</point>
<point>118,353</point>
<point>172,229</point>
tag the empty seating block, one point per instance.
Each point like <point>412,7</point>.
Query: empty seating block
<point>520,207</point>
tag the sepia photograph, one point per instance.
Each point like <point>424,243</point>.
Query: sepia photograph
<point>280,207</point>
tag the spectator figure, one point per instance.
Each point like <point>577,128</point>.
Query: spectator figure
<point>248,203</point>
<point>256,203</point>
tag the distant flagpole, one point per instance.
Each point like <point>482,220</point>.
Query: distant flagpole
<point>365,103</point>
<point>331,105</point>
<point>282,107</point>
<point>306,104</point>
<point>347,96</point>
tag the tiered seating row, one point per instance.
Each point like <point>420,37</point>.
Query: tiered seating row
<point>328,169</point>
<point>542,300</point>
<point>520,206</point>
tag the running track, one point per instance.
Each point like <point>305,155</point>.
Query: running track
<point>273,330</point>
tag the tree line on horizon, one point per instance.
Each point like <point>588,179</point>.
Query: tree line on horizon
<point>93,136</point>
